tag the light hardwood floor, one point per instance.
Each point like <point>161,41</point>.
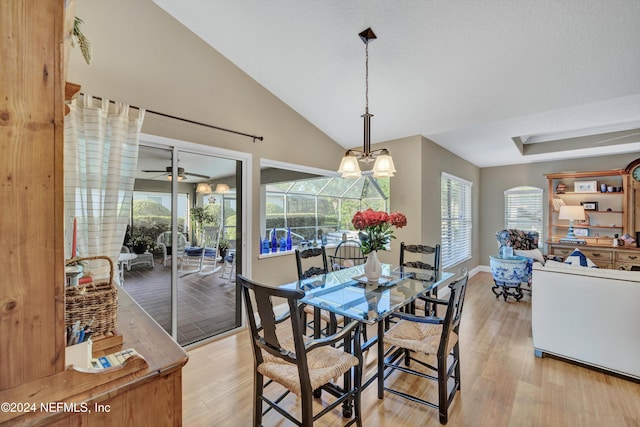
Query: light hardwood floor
<point>503,384</point>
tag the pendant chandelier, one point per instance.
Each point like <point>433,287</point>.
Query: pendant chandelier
<point>383,166</point>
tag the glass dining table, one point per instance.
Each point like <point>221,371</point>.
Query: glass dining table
<point>347,292</point>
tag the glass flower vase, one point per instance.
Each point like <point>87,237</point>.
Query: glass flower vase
<point>372,267</point>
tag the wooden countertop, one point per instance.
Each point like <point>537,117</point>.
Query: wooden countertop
<point>161,354</point>
<point>141,332</point>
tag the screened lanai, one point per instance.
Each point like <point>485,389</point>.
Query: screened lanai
<point>320,207</point>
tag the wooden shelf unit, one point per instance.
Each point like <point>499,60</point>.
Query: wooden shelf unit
<point>601,224</point>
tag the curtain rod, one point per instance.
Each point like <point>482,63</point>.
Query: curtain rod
<point>254,137</point>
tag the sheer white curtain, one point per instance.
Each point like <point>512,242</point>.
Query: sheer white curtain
<point>100,161</point>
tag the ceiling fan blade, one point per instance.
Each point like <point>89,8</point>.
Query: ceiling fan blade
<point>149,171</point>
<point>197,175</point>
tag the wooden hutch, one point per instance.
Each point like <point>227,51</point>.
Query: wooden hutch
<point>610,206</point>
<point>34,379</point>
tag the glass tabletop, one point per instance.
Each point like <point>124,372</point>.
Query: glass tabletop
<point>346,292</point>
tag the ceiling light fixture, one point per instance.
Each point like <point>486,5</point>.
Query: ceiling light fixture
<point>383,166</point>
<point>222,188</point>
<point>204,188</point>
<point>181,175</point>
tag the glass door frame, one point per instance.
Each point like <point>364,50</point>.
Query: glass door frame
<point>177,146</point>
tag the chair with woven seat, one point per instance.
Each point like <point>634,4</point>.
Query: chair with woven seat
<point>348,253</point>
<point>307,271</point>
<point>431,336</point>
<point>432,267</point>
<point>298,366</point>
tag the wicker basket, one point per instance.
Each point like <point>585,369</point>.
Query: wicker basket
<point>95,302</point>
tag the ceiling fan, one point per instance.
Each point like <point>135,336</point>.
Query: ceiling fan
<point>182,175</point>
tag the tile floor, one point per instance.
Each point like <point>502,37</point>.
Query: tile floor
<point>207,304</point>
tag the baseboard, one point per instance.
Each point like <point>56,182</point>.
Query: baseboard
<point>618,374</point>
<point>483,268</point>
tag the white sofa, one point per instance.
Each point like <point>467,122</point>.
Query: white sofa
<point>588,315</point>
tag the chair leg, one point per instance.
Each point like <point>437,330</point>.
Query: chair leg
<point>317,327</point>
<point>443,399</point>
<point>257,399</point>
<point>407,357</point>
<point>357,401</point>
<point>307,410</point>
<point>456,360</point>
<point>434,306</point>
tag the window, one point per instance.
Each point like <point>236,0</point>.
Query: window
<point>319,205</point>
<point>455,206</point>
<point>523,209</point>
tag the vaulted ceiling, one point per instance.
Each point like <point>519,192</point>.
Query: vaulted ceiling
<point>489,80</point>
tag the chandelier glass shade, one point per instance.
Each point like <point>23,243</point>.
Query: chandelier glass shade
<point>383,163</point>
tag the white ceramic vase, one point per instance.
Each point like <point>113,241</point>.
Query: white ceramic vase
<point>372,268</point>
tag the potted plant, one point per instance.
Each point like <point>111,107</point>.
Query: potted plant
<point>223,247</point>
<point>201,217</point>
<point>142,243</point>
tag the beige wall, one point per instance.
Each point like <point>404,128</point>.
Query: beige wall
<point>415,191</point>
<point>144,57</point>
<point>158,64</point>
<point>494,181</point>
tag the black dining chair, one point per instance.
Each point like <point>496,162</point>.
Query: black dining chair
<point>429,335</point>
<point>348,253</point>
<point>297,365</point>
<point>424,257</point>
<point>331,320</point>
<point>318,266</point>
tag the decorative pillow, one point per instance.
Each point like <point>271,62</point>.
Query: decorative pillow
<point>531,253</point>
<point>577,258</point>
<point>519,239</point>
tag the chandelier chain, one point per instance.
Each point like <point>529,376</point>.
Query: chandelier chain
<point>366,78</point>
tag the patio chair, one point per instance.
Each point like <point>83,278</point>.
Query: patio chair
<point>203,259</point>
<point>229,266</point>
<point>164,242</point>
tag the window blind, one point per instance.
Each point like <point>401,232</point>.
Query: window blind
<point>455,195</point>
<point>523,209</point>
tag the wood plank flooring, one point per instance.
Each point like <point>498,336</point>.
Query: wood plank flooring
<point>503,384</point>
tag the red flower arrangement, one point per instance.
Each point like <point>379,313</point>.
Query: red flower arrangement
<point>375,228</point>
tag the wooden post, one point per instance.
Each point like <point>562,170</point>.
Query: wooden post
<point>31,191</point>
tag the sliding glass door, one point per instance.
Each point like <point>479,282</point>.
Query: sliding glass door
<point>186,213</point>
